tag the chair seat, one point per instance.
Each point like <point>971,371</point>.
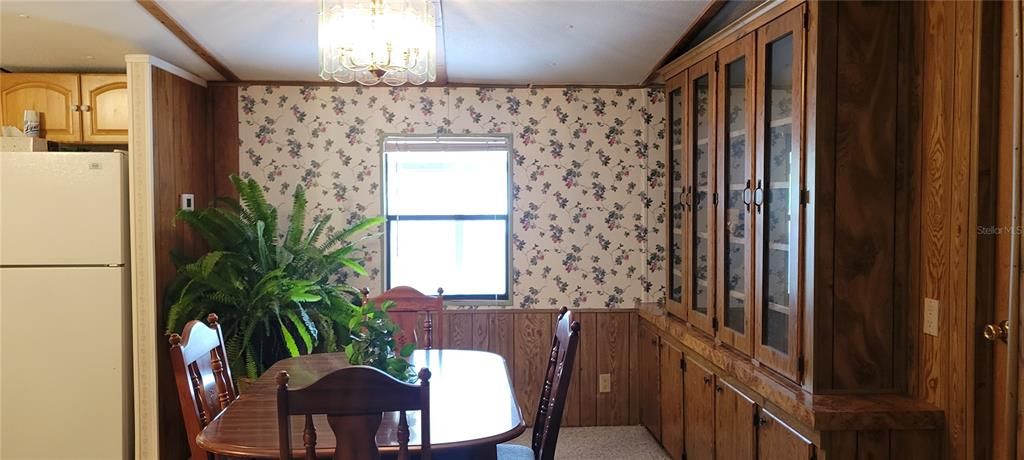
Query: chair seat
<point>514,452</point>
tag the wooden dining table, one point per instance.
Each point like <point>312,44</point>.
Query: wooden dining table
<point>472,404</point>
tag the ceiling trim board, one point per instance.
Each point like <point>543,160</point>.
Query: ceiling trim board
<point>709,12</point>
<point>175,28</point>
<point>428,85</point>
<point>164,65</point>
<point>442,63</point>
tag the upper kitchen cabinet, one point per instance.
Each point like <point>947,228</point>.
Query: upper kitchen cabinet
<point>56,96</point>
<point>778,166</point>
<point>785,231</point>
<point>734,262</point>
<point>105,110</point>
<point>74,108</point>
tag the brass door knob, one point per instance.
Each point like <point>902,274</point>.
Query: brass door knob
<point>997,331</point>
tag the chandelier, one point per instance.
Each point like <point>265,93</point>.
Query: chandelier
<point>373,41</point>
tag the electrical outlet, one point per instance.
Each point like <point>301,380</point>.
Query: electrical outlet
<point>188,202</point>
<point>931,317</point>
<point>604,383</point>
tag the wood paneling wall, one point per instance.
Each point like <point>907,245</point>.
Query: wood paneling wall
<point>182,164</point>
<point>523,338</point>
<point>948,131</point>
<point>224,138</point>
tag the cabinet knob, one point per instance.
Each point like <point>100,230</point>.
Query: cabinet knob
<point>86,108</point>
<point>760,421</point>
<point>707,380</point>
<point>75,108</point>
<point>718,388</point>
<point>747,195</point>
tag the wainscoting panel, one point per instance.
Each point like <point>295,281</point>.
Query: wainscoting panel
<point>523,338</point>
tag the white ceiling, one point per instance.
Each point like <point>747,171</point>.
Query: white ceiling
<point>485,41</point>
<point>86,36</point>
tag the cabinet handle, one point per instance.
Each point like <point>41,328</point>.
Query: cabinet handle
<point>747,195</point>
<point>758,196</point>
<point>86,108</point>
<point>718,388</point>
<point>75,108</point>
<point>761,421</point>
<point>707,380</point>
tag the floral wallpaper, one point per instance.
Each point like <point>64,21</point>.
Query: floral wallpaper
<point>588,177</point>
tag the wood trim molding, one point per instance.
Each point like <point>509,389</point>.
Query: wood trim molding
<point>710,10</point>
<point>172,25</point>
<point>431,85</point>
<point>162,64</point>
<point>143,256</point>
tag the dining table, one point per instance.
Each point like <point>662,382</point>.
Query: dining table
<point>473,408</point>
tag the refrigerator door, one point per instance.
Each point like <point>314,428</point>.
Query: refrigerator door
<point>62,208</point>
<point>65,368</point>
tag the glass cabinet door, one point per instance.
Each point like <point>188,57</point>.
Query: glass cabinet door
<point>676,203</point>
<point>700,138</point>
<point>777,191</point>
<point>735,175</point>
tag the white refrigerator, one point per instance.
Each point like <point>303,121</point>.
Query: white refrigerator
<point>65,315</point>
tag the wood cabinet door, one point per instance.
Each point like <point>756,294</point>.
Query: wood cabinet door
<point>777,441</point>
<point>54,95</point>
<point>699,135</point>
<point>735,415</point>
<point>650,406</point>
<point>672,421</point>
<point>699,410</point>
<point>735,235</point>
<point>779,165</point>
<point>105,110</point>
<point>676,199</point>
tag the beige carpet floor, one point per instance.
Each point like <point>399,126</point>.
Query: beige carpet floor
<point>604,442</point>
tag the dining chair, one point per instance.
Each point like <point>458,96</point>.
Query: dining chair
<point>552,398</point>
<point>354,400</point>
<point>409,306</point>
<point>203,377</point>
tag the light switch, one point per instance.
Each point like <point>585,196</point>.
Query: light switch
<point>931,317</point>
<point>188,202</point>
<point>604,383</point>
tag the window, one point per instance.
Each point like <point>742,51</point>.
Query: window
<point>446,199</point>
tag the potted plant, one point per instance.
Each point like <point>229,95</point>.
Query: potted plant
<point>276,297</point>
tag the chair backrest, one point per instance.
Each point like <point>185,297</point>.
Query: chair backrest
<point>419,316</point>
<point>353,399</point>
<point>556,386</point>
<point>203,377</point>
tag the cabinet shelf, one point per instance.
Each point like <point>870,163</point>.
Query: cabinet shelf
<point>779,247</point>
<point>780,185</point>
<point>737,133</point>
<point>780,122</point>
<point>737,294</point>
<point>783,309</point>
<point>737,240</point>
<point>738,186</point>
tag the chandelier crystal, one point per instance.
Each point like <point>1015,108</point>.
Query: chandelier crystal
<point>373,41</point>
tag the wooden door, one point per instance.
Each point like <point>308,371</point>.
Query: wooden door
<point>699,411</point>
<point>105,110</point>
<point>672,423</point>
<point>777,441</point>
<point>650,406</point>
<point>735,416</point>
<point>55,96</point>
<point>779,172</point>
<point>678,270</point>
<point>735,257</point>
<point>699,135</point>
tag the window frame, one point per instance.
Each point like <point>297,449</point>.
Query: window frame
<point>452,299</point>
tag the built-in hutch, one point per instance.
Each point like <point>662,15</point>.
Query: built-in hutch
<point>778,335</point>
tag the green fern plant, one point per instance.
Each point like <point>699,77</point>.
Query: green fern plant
<point>275,297</point>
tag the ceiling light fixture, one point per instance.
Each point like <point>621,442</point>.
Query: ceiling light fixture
<point>373,41</point>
